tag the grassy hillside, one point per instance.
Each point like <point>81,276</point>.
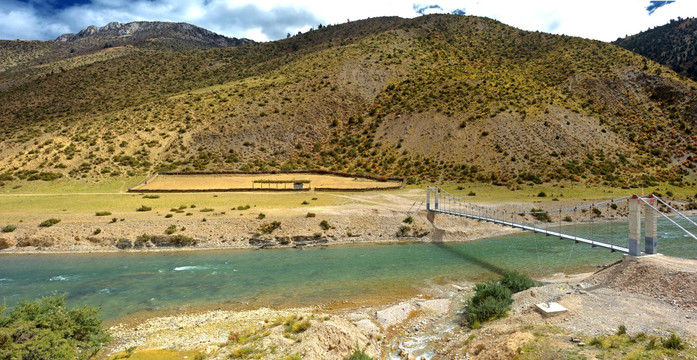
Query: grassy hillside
<point>434,98</point>
<point>673,44</point>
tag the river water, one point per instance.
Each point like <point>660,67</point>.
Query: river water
<point>124,284</point>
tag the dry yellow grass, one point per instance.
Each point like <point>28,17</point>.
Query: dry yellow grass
<point>243,181</point>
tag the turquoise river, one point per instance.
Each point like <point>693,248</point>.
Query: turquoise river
<point>129,284</point>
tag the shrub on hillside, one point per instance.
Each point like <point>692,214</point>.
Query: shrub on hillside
<point>46,329</point>
<point>50,222</point>
<point>324,224</point>
<point>9,228</point>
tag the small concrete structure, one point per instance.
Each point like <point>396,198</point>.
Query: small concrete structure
<point>550,309</point>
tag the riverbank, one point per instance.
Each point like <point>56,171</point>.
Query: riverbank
<point>430,325</point>
<point>325,227</point>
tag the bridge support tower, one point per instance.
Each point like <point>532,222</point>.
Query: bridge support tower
<point>650,231</point>
<point>634,225</point>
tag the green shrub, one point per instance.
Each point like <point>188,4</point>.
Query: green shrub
<point>310,215</point>
<point>597,212</point>
<point>171,229</point>
<point>490,301</point>
<point>102,213</point>
<point>542,194</point>
<point>50,222</point>
<point>324,224</point>
<point>151,197</point>
<point>296,324</point>
<point>144,208</point>
<point>168,216</point>
<point>359,354</point>
<point>182,240</point>
<point>403,231</point>
<point>96,231</point>
<point>674,342</point>
<point>46,329</point>
<point>516,282</point>
<point>268,228</point>
<point>9,228</point>
<point>541,215</point>
<point>261,216</point>
<point>245,207</point>
<point>408,220</point>
<point>207,210</point>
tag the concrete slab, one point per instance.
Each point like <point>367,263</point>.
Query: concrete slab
<point>550,309</point>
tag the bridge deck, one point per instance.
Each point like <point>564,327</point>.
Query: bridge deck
<point>538,230</point>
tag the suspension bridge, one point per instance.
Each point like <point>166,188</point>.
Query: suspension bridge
<point>440,201</point>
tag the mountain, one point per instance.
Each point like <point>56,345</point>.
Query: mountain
<point>163,34</point>
<point>673,44</point>
<point>100,43</point>
<point>439,97</point>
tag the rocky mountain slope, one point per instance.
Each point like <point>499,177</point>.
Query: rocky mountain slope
<point>29,59</point>
<point>673,44</point>
<point>435,98</point>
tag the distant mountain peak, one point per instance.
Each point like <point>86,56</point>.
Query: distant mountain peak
<point>143,30</point>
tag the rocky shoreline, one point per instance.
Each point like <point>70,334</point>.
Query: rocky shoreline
<point>78,236</point>
<point>429,326</point>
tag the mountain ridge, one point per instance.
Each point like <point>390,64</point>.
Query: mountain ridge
<point>438,97</point>
<point>673,44</point>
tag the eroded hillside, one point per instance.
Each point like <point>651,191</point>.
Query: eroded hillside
<point>437,97</point>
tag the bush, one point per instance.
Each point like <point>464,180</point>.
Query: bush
<point>245,207</point>
<point>9,228</point>
<point>50,222</point>
<point>207,210</point>
<point>96,231</point>
<point>403,231</point>
<point>490,301</point>
<point>102,213</point>
<point>171,229</point>
<point>324,224</point>
<point>151,197</point>
<point>597,212</point>
<point>674,342</point>
<point>359,354</point>
<point>408,220</point>
<point>168,216</point>
<point>144,208</point>
<point>261,216</point>
<point>516,282</point>
<point>542,194</point>
<point>541,215</point>
<point>310,215</point>
<point>268,228</point>
<point>296,324</point>
<point>46,329</point>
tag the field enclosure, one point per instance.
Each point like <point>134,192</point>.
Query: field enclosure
<point>168,182</point>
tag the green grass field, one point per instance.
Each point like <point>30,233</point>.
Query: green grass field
<point>35,200</point>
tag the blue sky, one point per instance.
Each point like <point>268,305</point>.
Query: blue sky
<point>264,20</point>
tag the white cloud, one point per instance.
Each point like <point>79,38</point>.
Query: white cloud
<point>271,19</point>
